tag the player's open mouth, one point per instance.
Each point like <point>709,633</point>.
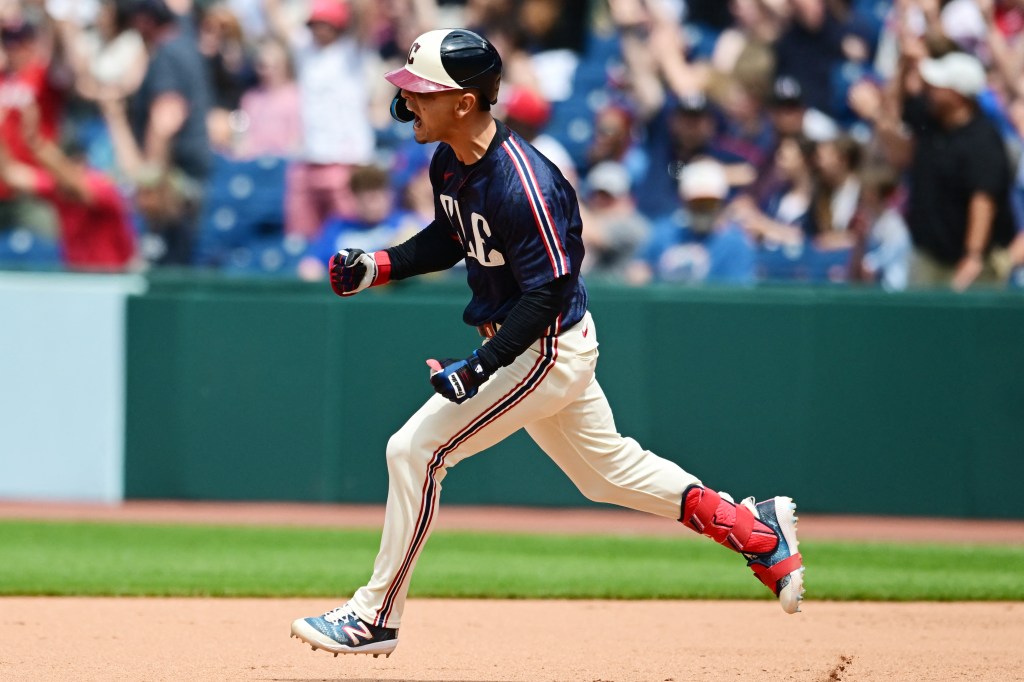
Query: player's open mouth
<point>417,122</point>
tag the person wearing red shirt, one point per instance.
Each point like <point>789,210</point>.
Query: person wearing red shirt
<point>25,81</point>
<point>95,229</point>
<point>96,233</point>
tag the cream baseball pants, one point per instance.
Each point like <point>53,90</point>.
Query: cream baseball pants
<point>552,392</point>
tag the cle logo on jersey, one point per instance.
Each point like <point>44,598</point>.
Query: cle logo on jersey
<point>473,241</point>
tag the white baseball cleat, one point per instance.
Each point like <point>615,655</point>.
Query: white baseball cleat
<point>341,631</point>
<point>781,570</point>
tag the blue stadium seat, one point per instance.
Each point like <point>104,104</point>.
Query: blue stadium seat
<point>274,256</point>
<point>802,264</point>
<point>244,200</point>
<point>22,249</point>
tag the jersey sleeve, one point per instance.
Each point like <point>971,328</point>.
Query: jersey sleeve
<point>535,215</point>
<point>433,249</point>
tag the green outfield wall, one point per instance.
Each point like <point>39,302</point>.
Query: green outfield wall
<point>851,401</point>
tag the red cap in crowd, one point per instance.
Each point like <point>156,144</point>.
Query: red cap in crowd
<point>528,106</point>
<point>330,12</point>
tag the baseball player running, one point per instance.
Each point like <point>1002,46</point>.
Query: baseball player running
<point>507,211</point>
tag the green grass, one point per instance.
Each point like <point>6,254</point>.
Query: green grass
<point>47,558</point>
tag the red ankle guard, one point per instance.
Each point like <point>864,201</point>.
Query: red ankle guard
<point>728,524</point>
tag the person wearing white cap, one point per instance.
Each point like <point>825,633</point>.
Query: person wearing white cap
<point>959,178</point>
<point>959,175</point>
<point>615,228</point>
<point>331,59</point>
<point>701,243</point>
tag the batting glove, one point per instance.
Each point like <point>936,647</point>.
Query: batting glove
<point>458,380</point>
<point>353,270</point>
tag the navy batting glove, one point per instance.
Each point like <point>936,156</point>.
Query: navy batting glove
<point>458,380</point>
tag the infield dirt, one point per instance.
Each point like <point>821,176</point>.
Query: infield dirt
<point>44,639</point>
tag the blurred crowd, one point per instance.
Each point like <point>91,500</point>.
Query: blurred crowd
<point>717,141</point>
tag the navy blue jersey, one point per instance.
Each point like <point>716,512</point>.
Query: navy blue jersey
<point>518,221</point>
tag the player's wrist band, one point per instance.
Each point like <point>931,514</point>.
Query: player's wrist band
<point>383,261</point>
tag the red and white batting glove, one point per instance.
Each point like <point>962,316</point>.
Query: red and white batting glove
<point>353,270</point>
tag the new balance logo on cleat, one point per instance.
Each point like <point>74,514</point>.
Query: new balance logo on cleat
<point>341,631</point>
<point>355,633</point>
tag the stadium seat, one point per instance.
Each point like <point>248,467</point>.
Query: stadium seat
<point>274,256</point>
<point>802,263</point>
<point>22,249</point>
<point>244,201</point>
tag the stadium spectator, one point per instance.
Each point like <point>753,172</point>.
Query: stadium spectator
<point>756,26</point>
<point>227,55</point>
<point>166,119</point>
<point>887,240</point>
<point>958,214</point>
<point>615,139</point>
<point>678,82</point>
<point>787,107</point>
<point>166,198</point>
<point>615,229</point>
<point>393,25</point>
<point>744,128</point>
<point>534,37</point>
<point>26,81</point>
<point>682,133</point>
<point>837,163</point>
<point>95,230</point>
<point>231,68</point>
<point>703,242</point>
<point>376,224</point>
<point>785,217</point>
<point>790,117</point>
<point>269,119</point>
<point>1003,43</point>
<point>641,79</point>
<point>250,16</point>
<point>331,65</point>
<point>813,46</point>
<point>107,58</point>
<point>960,178</point>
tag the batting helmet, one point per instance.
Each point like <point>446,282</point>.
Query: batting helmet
<point>447,59</point>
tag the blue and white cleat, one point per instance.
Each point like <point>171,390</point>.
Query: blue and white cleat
<point>341,631</point>
<point>781,570</point>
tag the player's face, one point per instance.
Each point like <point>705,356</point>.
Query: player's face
<point>434,112</point>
